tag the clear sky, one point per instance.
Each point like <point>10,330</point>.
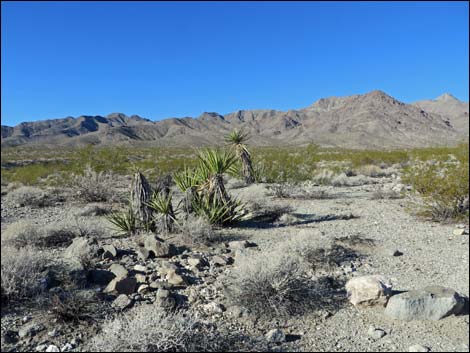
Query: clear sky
<point>159,59</point>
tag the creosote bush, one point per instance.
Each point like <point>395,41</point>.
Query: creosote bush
<point>441,189</point>
<point>93,186</point>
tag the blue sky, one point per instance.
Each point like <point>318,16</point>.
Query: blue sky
<point>159,59</point>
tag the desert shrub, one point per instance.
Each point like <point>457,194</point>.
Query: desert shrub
<point>29,196</point>
<point>152,329</point>
<point>21,273</point>
<point>94,210</point>
<point>216,211</point>
<point>52,235</point>
<point>343,180</point>
<point>441,189</point>
<point>76,306</point>
<point>385,194</point>
<point>323,177</point>
<point>93,186</point>
<point>23,233</point>
<point>197,230</point>
<point>282,190</point>
<point>125,223</point>
<point>278,282</point>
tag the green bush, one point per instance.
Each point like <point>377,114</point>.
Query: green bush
<point>442,188</point>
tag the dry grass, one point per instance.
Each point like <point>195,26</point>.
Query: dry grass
<point>94,186</point>
<point>280,281</point>
<point>21,270</point>
<point>152,329</point>
<point>197,230</point>
<point>30,196</point>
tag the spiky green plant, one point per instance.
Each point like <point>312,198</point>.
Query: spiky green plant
<point>217,211</point>
<point>162,205</point>
<point>237,140</point>
<point>187,181</point>
<point>124,222</point>
<point>213,164</point>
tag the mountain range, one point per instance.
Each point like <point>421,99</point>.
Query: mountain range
<point>372,120</point>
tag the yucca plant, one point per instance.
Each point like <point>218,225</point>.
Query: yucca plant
<point>187,181</point>
<point>124,222</point>
<point>237,140</point>
<point>213,164</point>
<point>217,211</point>
<point>162,205</point>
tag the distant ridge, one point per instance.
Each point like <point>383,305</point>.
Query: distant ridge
<point>372,120</point>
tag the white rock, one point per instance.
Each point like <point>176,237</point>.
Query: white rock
<point>276,336</point>
<point>376,333</point>
<point>52,348</point>
<point>368,290</point>
<point>418,348</point>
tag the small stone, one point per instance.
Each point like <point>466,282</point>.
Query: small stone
<point>275,336</point>
<point>54,333</point>
<point>368,290</point>
<point>125,285</point>
<point>26,318</point>
<point>165,299</point>
<point>143,288</point>
<point>418,348</point>
<point>41,348</point>
<point>52,348</point>
<point>30,330</point>
<point>101,277</point>
<point>397,253</point>
<point>238,244</point>
<point>142,253</point>
<point>140,268</point>
<point>109,252</point>
<point>213,308</point>
<point>118,270</point>
<point>376,333</point>
<point>175,279</point>
<point>219,260</point>
<point>458,231</point>
<point>122,302</point>
<point>140,278</point>
<point>158,247</point>
<point>66,347</point>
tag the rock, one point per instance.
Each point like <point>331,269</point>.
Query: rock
<point>52,348</point>
<point>220,260</point>
<point>124,285</point>
<point>101,277</point>
<point>458,231</point>
<point>368,290</point>
<point>418,348</point>
<point>197,262</point>
<point>122,302</point>
<point>376,333</point>
<point>109,252</point>
<point>140,268</point>
<point>166,268</point>
<point>239,244</point>
<point>118,270</point>
<point>140,278</point>
<point>175,279</point>
<point>142,253</point>
<point>430,303</point>
<point>157,247</point>
<point>10,337</point>
<point>165,299</point>
<point>30,330</point>
<point>213,308</point>
<point>143,288</point>
<point>275,336</point>
<point>41,348</point>
<point>397,253</point>
<point>66,347</point>
<point>54,333</point>
<point>81,247</point>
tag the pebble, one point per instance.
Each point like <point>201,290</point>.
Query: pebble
<point>376,333</point>
<point>418,348</point>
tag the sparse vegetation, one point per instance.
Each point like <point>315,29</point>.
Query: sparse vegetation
<point>93,186</point>
<point>30,196</point>
<point>22,273</point>
<point>237,139</point>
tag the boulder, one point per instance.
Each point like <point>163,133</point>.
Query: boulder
<point>368,290</point>
<point>430,303</point>
<point>30,330</point>
<point>81,247</point>
<point>165,299</point>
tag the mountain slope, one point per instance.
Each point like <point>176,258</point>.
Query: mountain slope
<point>372,120</point>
